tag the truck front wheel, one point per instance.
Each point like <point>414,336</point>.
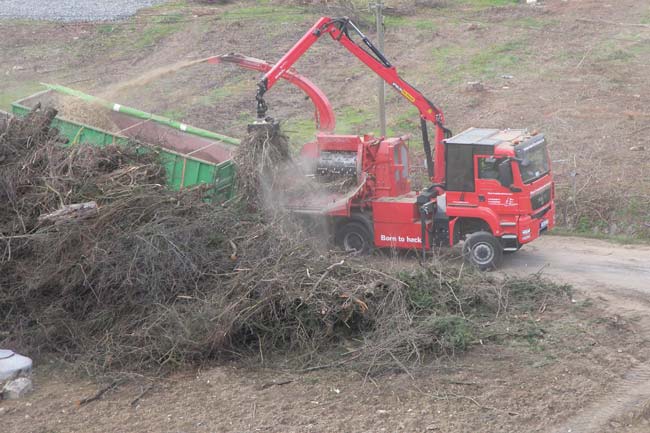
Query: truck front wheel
<point>483,250</point>
<point>354,238</point>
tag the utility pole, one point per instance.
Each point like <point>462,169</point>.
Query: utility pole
<point>378,6</point>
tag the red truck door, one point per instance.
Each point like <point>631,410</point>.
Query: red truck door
<point>490,192</point>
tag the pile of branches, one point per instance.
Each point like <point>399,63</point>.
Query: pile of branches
<point>38,176</point>
<point>260,157</point>
<point>270,180</point>
<point>156,279</point>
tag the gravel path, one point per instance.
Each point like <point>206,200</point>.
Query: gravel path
<point>72,10</point>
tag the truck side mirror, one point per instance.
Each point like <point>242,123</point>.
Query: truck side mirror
<point>505,173</point>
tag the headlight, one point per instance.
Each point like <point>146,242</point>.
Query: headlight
<point>525,232</point>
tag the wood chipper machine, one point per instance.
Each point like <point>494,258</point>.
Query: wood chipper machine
<point>491,189</point>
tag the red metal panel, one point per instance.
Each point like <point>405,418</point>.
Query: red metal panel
<point>397,210</point>
<point>535,225</point>
<point>310,151</point>
<point>338,143</point>
<point>389,235</point>
<point>473,211</point>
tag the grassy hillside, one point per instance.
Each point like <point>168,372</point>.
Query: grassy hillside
<point>576,71</point>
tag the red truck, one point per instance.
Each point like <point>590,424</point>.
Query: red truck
<point>491,189</point>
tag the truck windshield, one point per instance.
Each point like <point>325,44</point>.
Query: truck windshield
<point>533,160</point>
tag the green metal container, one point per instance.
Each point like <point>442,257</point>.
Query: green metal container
<point>190,156</point>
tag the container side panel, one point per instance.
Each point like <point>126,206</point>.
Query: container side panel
<point>208,163</point>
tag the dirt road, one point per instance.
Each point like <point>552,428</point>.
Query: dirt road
<point>590,263</point>
<point>619,275</point>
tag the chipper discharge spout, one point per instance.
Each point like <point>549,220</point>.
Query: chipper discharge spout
<point>323,113</point>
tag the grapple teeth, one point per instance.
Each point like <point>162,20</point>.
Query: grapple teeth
<point>269,125</point>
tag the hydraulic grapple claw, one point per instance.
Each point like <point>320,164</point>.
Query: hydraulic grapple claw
<point>268,124</point>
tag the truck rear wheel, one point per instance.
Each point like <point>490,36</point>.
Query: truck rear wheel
<point>354,238</point>
<point>483,250</point>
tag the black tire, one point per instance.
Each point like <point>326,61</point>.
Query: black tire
<point>483,251</point>
<point>354,238</point>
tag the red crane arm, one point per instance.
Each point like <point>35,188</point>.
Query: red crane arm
<point>339,30</point>
<point>325,118</point>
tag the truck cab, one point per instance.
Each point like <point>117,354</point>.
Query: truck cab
<point>499,191</point>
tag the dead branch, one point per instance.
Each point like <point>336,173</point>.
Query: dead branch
<point>144,392</point>
<point>99,393</point>
<point>614,23</point>
<point>70,212</point>
<point>271,384</point>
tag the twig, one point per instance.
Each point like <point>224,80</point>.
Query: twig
<point>453,293</point>
<point>584,57</point>
<point>459,382</point>
<point>270,384</point>
<point>402,366</point>
<point>28,236</point>
<point>540,271</point>
<point>327,271</point>
<point>614,23</point>
<point>233,256</point>
<point>372,364</point>
<point>57,193</point>
<point>332,365</point>
<point>99,393</point>
<point>375,271</point>
<point>142,394</point>
<point>473,400</point>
